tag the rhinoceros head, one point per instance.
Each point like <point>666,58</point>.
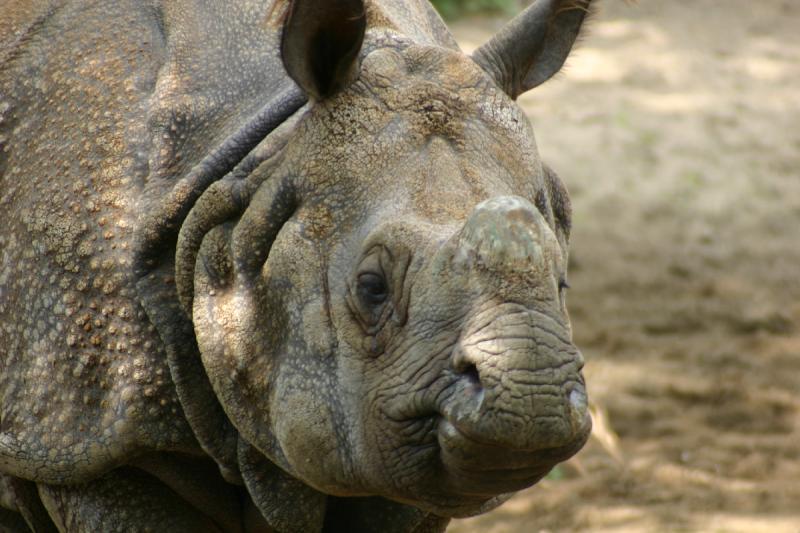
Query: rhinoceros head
<point>380,304</point>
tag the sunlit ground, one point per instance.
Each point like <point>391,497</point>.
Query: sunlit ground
<point>676,127</point>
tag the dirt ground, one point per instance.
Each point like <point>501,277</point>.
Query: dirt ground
<point>676,128</point>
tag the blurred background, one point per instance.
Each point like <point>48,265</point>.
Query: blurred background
<point>676,127</point>
<point>453,9</point>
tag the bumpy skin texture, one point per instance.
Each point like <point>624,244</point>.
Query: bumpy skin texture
<point>338,339</point>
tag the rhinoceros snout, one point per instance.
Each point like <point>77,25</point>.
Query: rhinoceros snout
<point>517,400</point>
<point>519,394</point>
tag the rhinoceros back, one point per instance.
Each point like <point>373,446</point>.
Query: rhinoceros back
<point>105,107</point>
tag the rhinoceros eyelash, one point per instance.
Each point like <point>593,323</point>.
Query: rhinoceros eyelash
<point>563,285</point>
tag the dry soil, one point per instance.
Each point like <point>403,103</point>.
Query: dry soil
<point>676,127</point>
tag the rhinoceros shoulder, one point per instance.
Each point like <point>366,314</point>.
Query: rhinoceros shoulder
<point>106,107</point>
<point>84,379</point>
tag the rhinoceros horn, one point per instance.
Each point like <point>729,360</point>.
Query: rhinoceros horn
<point>320,43</point>
<point>531,48</point>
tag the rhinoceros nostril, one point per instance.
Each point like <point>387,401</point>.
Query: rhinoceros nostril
<point>577,407</point>
<point>463,366</point>
<point>471,373</point>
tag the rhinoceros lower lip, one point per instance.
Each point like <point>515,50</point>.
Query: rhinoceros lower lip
<point>478,468</point>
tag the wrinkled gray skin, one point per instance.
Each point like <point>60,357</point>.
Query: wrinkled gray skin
<point>270,267</point>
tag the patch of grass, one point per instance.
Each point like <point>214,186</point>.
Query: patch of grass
<point>451,9</point>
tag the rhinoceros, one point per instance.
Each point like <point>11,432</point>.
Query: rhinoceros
<point>272,265</point>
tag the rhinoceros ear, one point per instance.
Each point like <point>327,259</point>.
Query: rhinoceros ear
<point>531,48</point>
<point>320,43</point>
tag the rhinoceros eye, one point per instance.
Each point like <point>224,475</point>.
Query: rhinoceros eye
<point>372,289</point>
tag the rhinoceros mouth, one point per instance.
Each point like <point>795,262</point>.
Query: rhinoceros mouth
<point>477,468</point>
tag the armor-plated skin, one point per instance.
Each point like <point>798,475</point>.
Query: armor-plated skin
<point>251,280</point>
